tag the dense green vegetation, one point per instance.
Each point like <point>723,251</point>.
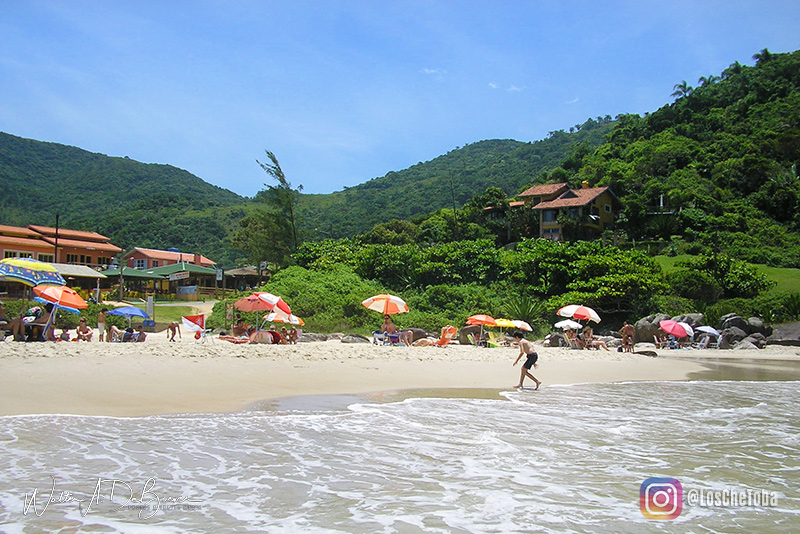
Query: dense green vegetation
<point>711,178</point>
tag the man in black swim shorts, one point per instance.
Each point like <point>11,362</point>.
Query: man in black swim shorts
<point>526,347</point>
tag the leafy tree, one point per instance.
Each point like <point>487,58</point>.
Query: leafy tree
<point>282,198</point>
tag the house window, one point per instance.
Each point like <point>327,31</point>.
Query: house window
<point>86,260</point>
<point>49,258</point>
<point>140,264</point>
<point>10,254</point>
<point>574,212</point>
<point>155,263</point>
<point>549,215</point>
<point>72,258</point>
<point>103,261</point>
<point>26,254</point>
<point>608,208</point>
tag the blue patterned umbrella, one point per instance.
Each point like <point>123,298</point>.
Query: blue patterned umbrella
<point>30,272</point>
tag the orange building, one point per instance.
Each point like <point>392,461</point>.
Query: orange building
<point>56,246</point>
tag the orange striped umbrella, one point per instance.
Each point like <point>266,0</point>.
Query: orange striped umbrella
<point>386,304</point>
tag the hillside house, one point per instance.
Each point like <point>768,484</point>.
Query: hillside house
<point>593,209</point>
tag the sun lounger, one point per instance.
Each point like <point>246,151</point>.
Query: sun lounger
<point>447,336</point>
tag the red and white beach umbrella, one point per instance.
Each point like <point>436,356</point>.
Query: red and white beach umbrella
<point>385,304</point>
<point>576,311</point>
<point>274,301</point>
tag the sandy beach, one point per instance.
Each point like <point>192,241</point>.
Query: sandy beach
<point>159,377</point>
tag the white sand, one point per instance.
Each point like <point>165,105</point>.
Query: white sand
<point>158,377</point>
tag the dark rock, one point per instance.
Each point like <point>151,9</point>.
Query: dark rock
<point>311,338</point>
<point>733,320</point>
<point>757,326</point>
<point>355,338</point>
<point>419,333</point>
<point>651,353</point>
<point>475,330</point>
<point>692,319</point>
<point>732,335</point>
<point>745,345</point>
<point>647,327</point>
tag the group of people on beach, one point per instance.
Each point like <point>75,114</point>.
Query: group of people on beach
<point>38,324</point>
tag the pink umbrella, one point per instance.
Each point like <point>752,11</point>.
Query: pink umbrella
<point>576,311</point>
<point>675,328</point>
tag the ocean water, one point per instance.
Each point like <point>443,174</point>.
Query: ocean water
<point>563,459</point>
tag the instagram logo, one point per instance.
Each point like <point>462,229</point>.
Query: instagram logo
<point>661,498</point>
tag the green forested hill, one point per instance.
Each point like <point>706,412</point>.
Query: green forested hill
<point>133,203</point>
<point>161,206</point>
<point>716,168</point>
<point>453,178</point>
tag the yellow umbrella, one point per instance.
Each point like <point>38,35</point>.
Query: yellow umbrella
<point>505,323</point>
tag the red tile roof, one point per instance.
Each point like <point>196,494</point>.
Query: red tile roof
<point>572,198</point>
<point>17,231</point>
<point>64,232</point>
<point>544,190</point>
<point>171,256</point>
<point>88,245</point>
<point>23,242</point>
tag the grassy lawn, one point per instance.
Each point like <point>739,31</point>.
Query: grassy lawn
<point>166,314</point>
<point>787,280</point>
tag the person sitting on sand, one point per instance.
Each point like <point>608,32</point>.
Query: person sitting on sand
<point>572,338</point>
<point>83,331</point>
<point>64,336</point>
<point>239,329</point>
<point>591,342</point>
<point>172,329</point>
<point>15,326</point>
<point>293,335</point>
<point>284,336</point>
<point>140,335</point>
<point>526,348</point>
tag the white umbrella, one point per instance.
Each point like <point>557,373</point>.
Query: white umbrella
<point>568,323</point>
<point>522,325</point>
<point>708,330</point>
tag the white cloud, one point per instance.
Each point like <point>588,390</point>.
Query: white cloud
<point>432,71</point>
<point>514,88</point>
<point>573,101</point>
<point>493,85</point>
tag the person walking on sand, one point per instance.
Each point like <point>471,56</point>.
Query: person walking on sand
<point>172,329</point>
<point>101,325</point>
<point>526,348</point>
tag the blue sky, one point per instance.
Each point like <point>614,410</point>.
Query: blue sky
<point>343,92</point>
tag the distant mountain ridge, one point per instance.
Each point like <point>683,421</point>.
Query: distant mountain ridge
<point>161,206</point>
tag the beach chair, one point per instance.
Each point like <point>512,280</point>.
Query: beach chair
<point>495,340</point>
<point>447,336</point>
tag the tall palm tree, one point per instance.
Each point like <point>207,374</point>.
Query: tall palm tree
<point>703,81</point>
<point>763,56</point>
<point>682,89</point>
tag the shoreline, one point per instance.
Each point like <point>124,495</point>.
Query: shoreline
<point>160,378</point>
